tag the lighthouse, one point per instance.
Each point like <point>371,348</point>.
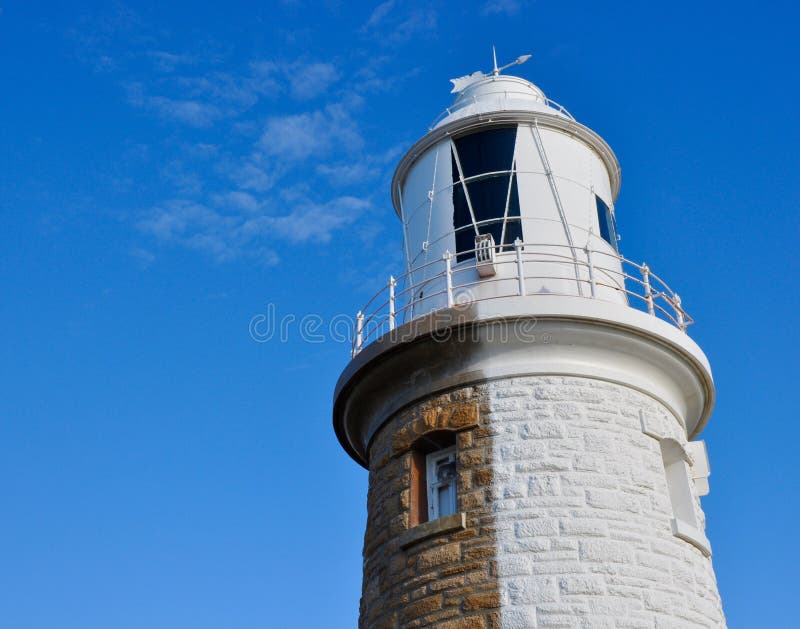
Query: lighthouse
<point>527,400</point>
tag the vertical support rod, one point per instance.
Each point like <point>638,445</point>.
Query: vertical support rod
<point>520,266</point>
<point>590,264</point>
<point>548,171</point>
<point>679,313</point>
<point>359,332</point>
<point>392,284</point>
<point>648,291</point>
<point>448,265</point>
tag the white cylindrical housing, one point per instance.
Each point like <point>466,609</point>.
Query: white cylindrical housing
<point>505,162</point>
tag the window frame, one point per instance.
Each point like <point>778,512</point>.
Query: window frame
<point>684,522</point>
<point>607,223</point>
<point>433,485</point>
<point>471,192</point>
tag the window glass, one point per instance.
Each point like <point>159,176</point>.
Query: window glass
<point>445,501</point>
<point>442,483</point>
<point>487,151</point>
<point>489,158</point>
<point>607,226</point>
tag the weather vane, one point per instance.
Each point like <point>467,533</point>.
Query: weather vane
<point>462,82</point>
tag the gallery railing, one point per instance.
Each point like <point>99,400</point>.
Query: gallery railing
<point>506,96</point>
<point>584,272</point>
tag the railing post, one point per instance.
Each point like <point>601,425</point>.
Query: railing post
<point>392,284</point>
<point>679,313</point>
<point>520,266</point>
<point>359,333</point>
<point>590,264</point>
<point>648,291</point>
<point>448,270</point>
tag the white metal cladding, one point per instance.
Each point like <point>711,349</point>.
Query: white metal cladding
<point>557,179</point>
<point>578,172</point>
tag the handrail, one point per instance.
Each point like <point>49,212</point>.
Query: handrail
<point>593,269</point>
<point>461,103</point>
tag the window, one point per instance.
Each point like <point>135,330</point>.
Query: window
<point>684,522</point>
<point>680,491</point>
<point>441,475</point>
<point>608,228</point>
<point>433,477</point>
<point>485,197</point>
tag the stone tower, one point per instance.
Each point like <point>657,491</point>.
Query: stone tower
<point>526,400</point>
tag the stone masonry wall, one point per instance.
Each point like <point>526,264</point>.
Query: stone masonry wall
<point>582,510</point>
<point>447,580</point>
<point>567,515</point>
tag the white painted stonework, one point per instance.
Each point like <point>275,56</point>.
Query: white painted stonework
<point>583,513</point>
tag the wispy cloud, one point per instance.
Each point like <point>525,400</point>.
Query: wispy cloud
<point>238,200</point>
<point>240,91</point>
<point>195,226</point>
<point>378,15</point>
<point>419,22</point>
<point>390,26</point>
<point>312,79</point>
<point>505,7</point>
<point>314,222</point>
<point>299,136</point>
<point>93,35</point>
<point>195,113</point>
<point>248,171</point>
<point>202,100</point>
<point>255,173</point>
<point>144,257</point>
<point>346,174</point>
<point>226,236</point>
<point>167,62</point>
<point>182,179</point>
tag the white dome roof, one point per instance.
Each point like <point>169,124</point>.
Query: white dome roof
<point>498,93</point>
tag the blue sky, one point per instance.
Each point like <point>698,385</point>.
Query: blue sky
<point>167,170</point>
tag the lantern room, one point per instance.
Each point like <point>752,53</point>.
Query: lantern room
<point>505,172</point>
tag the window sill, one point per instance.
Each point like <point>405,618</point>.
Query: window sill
<point>691,534</point>
<point>426,530</point>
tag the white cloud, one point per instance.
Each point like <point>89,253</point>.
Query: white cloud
<point>232,234</point>
<point>311,80</point>
<point>182,179</point>
<point>419,22</point>
<point>313,222</point>
<point>238,200</point>
<point>178,218</point>
<point>232,90</point>
<point>167,61</point>
<point>395,27</point>
<point>143,256</point>
<point>251,176</point>
<point>244,185</point>
<point>205,99</point>
<point>378,14</point>
<point>347,174</point>
<point>96,34</point>
<point>191,112</point>
<point>299,136</point>
<point>506,7</point>
<point>195,226</point>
